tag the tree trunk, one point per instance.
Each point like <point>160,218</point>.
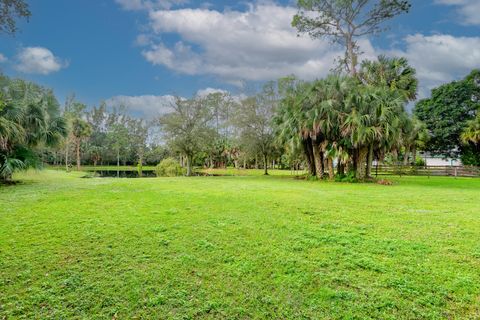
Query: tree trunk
<point>405,156</point>
<point>118,163</point>
<point>256,162</point>
<point>360,163</point>
<point>140,166</point>
<point>78,156</point>
<point>414,155</point>
<point>318,158</point>
<point>66,156</point>
<point>331,174</point>
<point>340,168</point>
<point>369,161</point>
<point>352,56</point>
<point>310,158</point>
<point>265,167</point>
<point>395,156</point>
<point>189,166</point>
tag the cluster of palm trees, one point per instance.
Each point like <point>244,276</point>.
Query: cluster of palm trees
<point>352,120</point>
<point>29,119</point>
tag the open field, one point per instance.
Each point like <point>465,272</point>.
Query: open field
<point>248,247</point>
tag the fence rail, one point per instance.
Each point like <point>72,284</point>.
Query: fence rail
<point>451,171</point>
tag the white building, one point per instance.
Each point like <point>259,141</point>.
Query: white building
<point>431,160</point>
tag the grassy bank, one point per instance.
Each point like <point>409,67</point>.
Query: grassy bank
<point>247,247</point>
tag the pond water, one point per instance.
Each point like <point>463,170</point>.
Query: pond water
<point>134,174</point>
<point>121,174</point>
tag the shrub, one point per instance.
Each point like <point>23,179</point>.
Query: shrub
<point>169,168</point>
<point>419,162</point>
<point>349,177</point>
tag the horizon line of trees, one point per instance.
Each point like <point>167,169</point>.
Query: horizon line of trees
<point>335,126</point>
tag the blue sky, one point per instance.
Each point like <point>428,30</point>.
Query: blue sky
<point>136,52</point>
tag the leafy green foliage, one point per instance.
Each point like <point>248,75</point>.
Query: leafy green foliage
<point>341,118</point>
<point>447,112</point>
<point>10,11</point>
<point>169,168</point>
<point>186,128</point>
<point>471,139</point>
<point>29,119</point>
<point>254,121</point>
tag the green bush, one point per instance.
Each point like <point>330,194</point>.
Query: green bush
<point>169,168</point>
<point>419,162</point>
<point>349,177</point>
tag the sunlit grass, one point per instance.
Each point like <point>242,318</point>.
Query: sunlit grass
<point>247,247</point>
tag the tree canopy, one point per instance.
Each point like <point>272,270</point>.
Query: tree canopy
<point>29,119</point>
<point>10,11</point>
<point>446,114</point>
<point>345,21</point>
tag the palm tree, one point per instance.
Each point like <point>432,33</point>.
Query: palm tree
<point>471,134</point>
<point>415,135</point>
<point>325,117</point>
<point>396,75</point>
<point>290,121</point>
<point>81,130</point>
<point>393,73</point>
<point>29,117</point>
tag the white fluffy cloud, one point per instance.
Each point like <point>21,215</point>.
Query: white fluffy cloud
<point>3,58</point>
<point>469,10</point>
<point>441,58</point>
<point>144,106</point>
<point>149,4</point>
<point>205,92</point>
<point>38,60</point>
<point>257,44</point>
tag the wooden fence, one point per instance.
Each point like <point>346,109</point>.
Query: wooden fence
<point>450,171</point>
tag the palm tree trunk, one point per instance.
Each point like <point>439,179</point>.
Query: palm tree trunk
<point>406,156</point>
<point>308,148</point>
<point>340,168</point>
<point>360,160</point>
<point>331,173</point>
<point>318,160</point>
<point>369,161</point>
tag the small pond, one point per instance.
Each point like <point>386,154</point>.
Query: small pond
<point>121,174</point>
<point>134,174</point>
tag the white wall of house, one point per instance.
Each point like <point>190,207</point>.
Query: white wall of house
<point>439,161</point>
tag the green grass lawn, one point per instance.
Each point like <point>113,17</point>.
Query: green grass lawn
<point>247,247</point>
